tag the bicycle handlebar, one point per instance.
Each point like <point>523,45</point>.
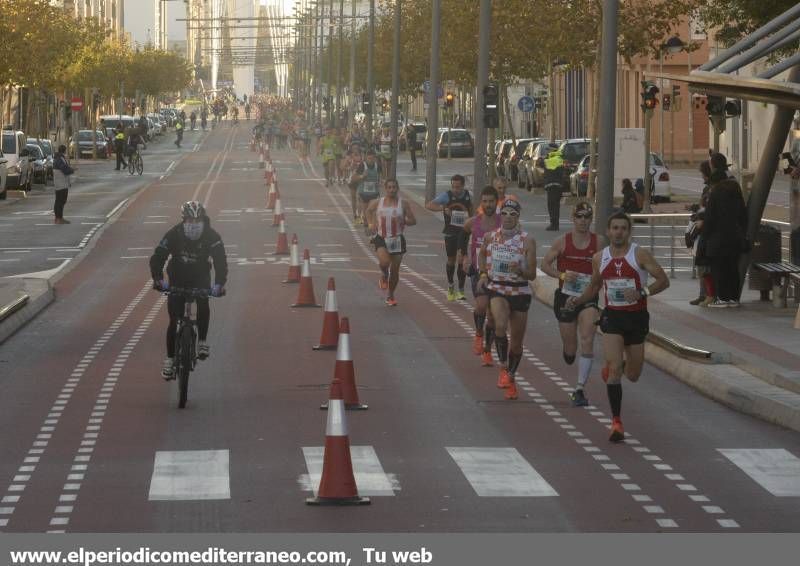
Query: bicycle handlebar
<point>190,292</point>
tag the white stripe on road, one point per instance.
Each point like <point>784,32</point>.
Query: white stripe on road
<point>500,472</point>
<point>370,477</point>
<point>776,470</point>
<point>190,475</point>
<point>116,208</point>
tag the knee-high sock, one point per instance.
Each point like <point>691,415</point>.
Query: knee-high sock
<point>514,359</point>
<point>501,343</point>
<point>488,338</point>
<point>449,270</point>
<point>462,278</point>
<point>615,398</point>
<point>584,368</point>
<point>480,320</point>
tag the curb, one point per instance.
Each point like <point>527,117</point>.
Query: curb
<point>719,378</point>
<point>40,294</point>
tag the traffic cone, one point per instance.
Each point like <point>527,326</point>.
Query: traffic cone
<point>261,159</point>
<point>271,196</point>
<point>268,168</point>
<point>345,371</point>
<point>282,248</point>
<point>277,215</point>
<point>294,263</point>
<point>305,294</point>
<point>252,144</point>
<point>337,485</point>
<point>330,320</point>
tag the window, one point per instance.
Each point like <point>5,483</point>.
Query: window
<point>696,28</point>
<point>8,144</point>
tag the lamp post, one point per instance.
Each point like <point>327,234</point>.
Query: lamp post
<point>672,46</point>
<point>556,66</point>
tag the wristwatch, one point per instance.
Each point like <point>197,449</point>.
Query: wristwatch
<point>644,292</point>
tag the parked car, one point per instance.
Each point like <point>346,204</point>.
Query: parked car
<point>525,165</point>
<point>572,152</point>
<point>515,157</point>
<point>501,157</point>
<point>38,164</point>
<point>17,156</point>
<point>47,149</point>
<point>579,179</point>
<point>3,175</point>
<point>660,173</point>
<point>460,142</point>
<point>420,130</point>
<point>155,124</point>
<point>113,120</point>
<point>80,145</point>
<point>536,173</point>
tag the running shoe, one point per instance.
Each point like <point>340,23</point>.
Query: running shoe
<point>578,398</point>
<point>486,360</point>
<point>511,392</point>
<point>391,302</point>
<point>617,432</point>
<point>451,294</point>
<point>460,296</point>
<point>504,380</point>
<point>203,350</point>
<point>357,221</point>
<point>168,369</point>
<point>383,283</point>
<point>719,304</point>
<point>477,345</point>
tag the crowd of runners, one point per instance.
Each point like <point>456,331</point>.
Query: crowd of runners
<point>598,285</point>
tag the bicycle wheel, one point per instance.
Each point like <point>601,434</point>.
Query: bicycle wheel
<point>139,165</point>
<point>184,361</point>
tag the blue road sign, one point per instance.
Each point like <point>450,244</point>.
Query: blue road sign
<point>525,104</point>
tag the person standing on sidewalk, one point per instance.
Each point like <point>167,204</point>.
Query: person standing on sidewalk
<point>411,142</point>
<point>724,230</point>
<point>179,132</point>
<point>572,253</point>
<point>62,173</point>
<point>622,268</point>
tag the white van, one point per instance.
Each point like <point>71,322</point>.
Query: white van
<point>19,175</point>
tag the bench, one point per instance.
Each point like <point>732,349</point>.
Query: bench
<point>781,273</point>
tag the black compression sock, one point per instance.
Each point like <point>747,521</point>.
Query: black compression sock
<point>488,339</point>
<point>480,320</point>
<point>569,358</point>
<point>462,278</point>
<point>450,269</point>
<point>615,398</point>
<point>513,362</point>
<point>501,343</point>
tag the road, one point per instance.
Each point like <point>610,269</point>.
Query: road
<point>93,441</point>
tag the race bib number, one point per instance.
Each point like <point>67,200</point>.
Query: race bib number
<point>394,244</point>
<point>386,149</point>
<point>370,187</point>
<point>615,289</point>
<point>577,287</point>
<point>502,258</point>
<point>458,217</point>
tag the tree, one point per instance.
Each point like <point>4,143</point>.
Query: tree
<point>733,19</point>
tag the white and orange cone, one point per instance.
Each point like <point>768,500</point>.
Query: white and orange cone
<point>345,370</point>
<point>330,320</point>
<point>268,169</point>
<point>252,144</point>
<point>282,247</point>
<point>261,162</point>
<point>272,196</point>
<point>294,262</point>
<point>277,213</point>
<point>337,485</point>
<point>305,294</point>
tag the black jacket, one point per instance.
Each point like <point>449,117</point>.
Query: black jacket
<point>190,261</point>
<point>725,223</point>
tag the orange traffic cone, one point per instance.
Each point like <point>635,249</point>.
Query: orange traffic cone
<point>305,294</point>
<point>294,263</point>
<point>345,371</point>
<point>330,320</point>
<point>277,213</point>
<point>338,483</point>
<point>272,196</point>
<point>268,169</point>
<point>282,248</point>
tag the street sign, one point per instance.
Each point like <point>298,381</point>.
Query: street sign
<point>76,104</point>
<point>525,104</point>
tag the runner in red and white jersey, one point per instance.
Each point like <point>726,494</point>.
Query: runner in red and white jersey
<point>622,270</point>
<point>572,255</point>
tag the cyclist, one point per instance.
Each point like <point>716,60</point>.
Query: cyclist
<point>134,141</point>
<point>327,148</point>
<point>189,247</point>
<point>235,114</point>
<point>193,119</point>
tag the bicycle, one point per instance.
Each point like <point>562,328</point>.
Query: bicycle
<point>135,163</point>
<point>186,338</point>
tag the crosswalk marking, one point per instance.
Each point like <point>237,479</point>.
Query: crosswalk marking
<point>190,475</point>
<point>370,477</point>
<point>775,469</point>
<point>500,472</point>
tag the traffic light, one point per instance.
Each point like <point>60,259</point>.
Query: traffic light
<point>733,108</point>
<point>715,106</point>
<point>491,98</point>
<point>649,95</point>
<point>666,102</point>
<point>448,99</point>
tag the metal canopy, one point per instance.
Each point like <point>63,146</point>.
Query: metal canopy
<point>783,94</point>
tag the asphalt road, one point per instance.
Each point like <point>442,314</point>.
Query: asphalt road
<point>92,439</point>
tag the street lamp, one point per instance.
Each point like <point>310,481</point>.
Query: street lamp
<point>556,66</point>
<point>672,46</point>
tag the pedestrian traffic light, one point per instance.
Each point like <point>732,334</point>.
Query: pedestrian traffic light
<point>448,99</point>
<point>649,95</point>
<point>733,108</point>
<point>715,105</point>
<point>491,97</point>
<point>666,102</point>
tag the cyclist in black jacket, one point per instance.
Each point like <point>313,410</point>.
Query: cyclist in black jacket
<point>190,246</point>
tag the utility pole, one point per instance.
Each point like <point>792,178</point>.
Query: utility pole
<point>340,64</point>
<point>608,116</point>
<point>481,141</point>
<point>331,113</point>
<point>395,85</point>
<point>433,115</point>
<point>648,177</point>
<point>351,106</point>
<point>319,34</point>
<point>370,62</point>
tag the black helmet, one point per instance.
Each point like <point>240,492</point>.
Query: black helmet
<point>192,209</point>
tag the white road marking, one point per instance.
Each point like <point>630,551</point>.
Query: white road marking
<point>189,475</point>
<point>775,469</point>
<point>500,472</point>
<point>367,469</point>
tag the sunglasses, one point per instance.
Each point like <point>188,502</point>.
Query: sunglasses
<point>509,213</point>
<point>583,215</point>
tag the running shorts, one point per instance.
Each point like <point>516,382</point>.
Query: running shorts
<point>517,303</point>
<point>633,326</point>
<point>566,315</point>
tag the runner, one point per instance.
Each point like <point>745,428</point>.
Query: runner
<point>386,149</point>
<point>476,228</point>
<point>365,179</point>
<point>327,148</point>
<point>572,254</point>
<point>507,262</point>
<point>456,205</point>
<point>387,217</point>
<point>622,269</point>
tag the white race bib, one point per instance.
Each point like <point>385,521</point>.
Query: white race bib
<point>577,287</point>
<point>386,149</point>
<point>502,258</point>
<point>458,217</point>
<point>394,244</point>
<point>616,291</point>
<point>370,187</point>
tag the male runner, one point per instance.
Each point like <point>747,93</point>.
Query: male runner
<point>387,218</point>
<point>572,254</point>
<point>328,148</point>
<point>476,227</point>
<point>621,269</point>
<point>366,180</point>
<point>456,206</point>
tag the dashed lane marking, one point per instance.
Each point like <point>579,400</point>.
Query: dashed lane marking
<point>190,475</point>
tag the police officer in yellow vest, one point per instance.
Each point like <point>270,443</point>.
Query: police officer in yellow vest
<point>119,146</point>
<point>179,132</point>
<point>553,173</point>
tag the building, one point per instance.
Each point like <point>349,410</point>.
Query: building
<point>110,12</point>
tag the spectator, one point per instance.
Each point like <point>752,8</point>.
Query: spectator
<point>62,171</point>
<point>631,200</point>
<point>719,169</point>
<point>696,241</point>
<point>724,230</point>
